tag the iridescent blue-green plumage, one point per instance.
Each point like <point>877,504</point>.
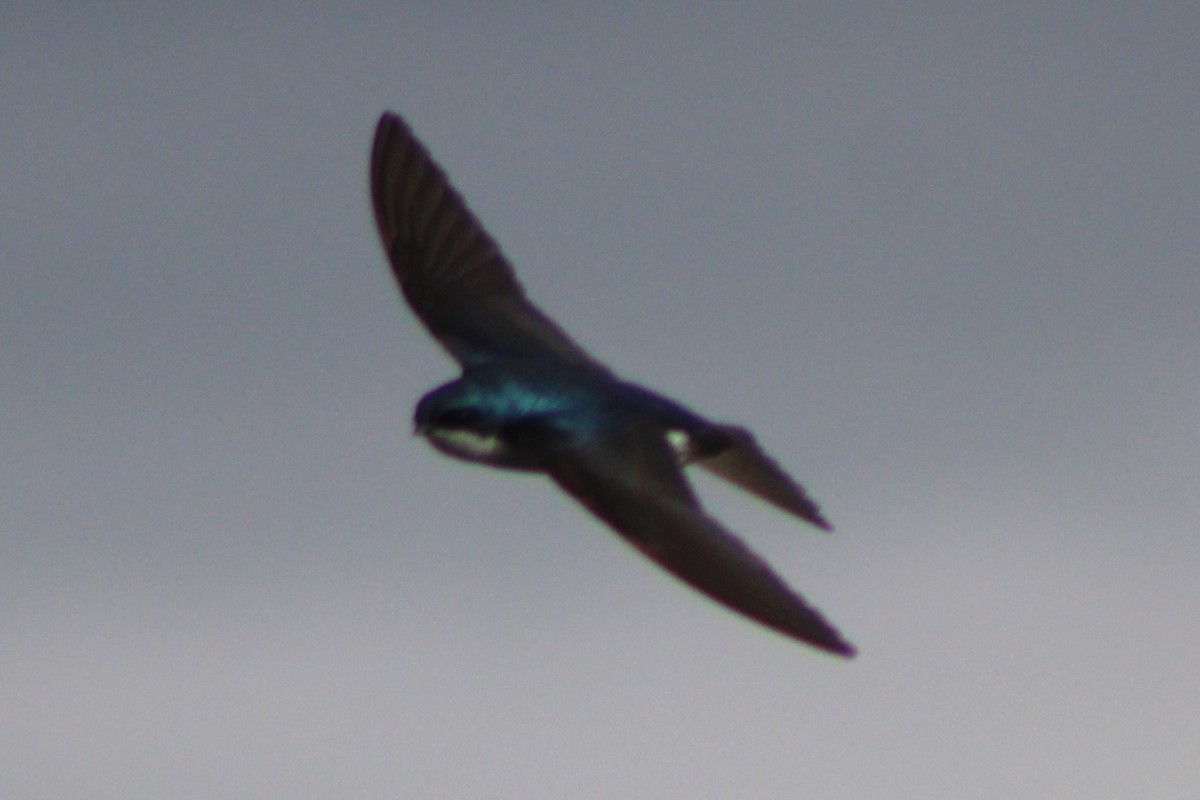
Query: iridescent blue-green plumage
<point>530,398</point>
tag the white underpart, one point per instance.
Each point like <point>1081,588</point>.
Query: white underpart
<point>681,443</point>
<point>466,443</point>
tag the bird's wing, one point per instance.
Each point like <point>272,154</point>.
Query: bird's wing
<point>632,480</point>
<point>450,270</point>
<point>742,462</point>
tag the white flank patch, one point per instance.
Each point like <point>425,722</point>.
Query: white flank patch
<point>681,443</point>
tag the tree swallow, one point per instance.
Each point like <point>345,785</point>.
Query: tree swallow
<point>530,398</point>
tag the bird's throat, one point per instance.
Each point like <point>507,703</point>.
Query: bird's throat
<point>466,444</point>
<point>479,448</point>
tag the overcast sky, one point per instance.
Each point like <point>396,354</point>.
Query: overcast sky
<point>943,261</point>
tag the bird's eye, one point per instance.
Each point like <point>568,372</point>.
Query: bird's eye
<point>459,418</point>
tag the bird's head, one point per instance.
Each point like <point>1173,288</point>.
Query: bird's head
<point>455,406</point>
<point>457,419</point>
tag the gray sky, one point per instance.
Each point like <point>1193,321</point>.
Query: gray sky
<point>943,262</point>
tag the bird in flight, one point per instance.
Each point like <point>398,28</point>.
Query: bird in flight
<point>530,398</point>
